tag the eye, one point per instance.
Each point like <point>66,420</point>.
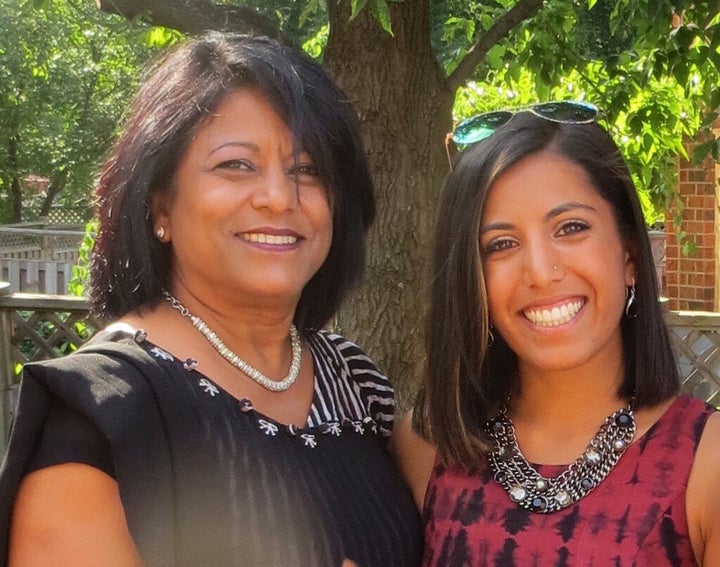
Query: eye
<point>234,164</point>
<point>572,227</point>
<point>499,244</point>
<point>305,169</point>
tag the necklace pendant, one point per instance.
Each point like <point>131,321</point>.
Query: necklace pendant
<point>563,499</point>
<point>539,504</point>
<point>518,493</point>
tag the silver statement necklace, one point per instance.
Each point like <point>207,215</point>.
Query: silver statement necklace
<point>235,360</point>
<point>534,492</point>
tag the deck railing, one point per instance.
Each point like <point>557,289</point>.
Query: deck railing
<point>38,326</point>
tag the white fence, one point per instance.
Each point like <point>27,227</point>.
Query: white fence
<point>36,276</point>
<point>38,260</point>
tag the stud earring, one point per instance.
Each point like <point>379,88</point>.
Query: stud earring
<point>630,301</point>
<point>160,233</point>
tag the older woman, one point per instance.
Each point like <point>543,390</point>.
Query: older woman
<point>213,422</point>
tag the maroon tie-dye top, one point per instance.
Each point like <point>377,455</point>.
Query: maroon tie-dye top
<point>636,516</point>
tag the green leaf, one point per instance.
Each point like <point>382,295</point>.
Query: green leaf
<point>701,151</point>
<point>356,7</point>
<point>159,36</point>
<point>381,11</point>
<point>309,10</point>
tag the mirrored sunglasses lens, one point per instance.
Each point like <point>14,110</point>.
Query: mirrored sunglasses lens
<point>567,111</point>
<point>479,127</point>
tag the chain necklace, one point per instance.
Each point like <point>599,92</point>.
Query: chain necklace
<point>534,492</point>
<point>235,360</point>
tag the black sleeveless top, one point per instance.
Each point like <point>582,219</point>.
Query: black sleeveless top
<point>207,480</point>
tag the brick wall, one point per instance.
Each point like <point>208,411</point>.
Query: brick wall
<point>691,280</point>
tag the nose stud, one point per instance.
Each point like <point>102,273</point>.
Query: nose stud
<point>554,267</point>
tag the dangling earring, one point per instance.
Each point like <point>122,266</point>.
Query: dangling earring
<point>630,301</point>
<point>160,233</point>
<point>491,337</point>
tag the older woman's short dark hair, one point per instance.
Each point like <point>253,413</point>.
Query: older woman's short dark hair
<point>130,266</point>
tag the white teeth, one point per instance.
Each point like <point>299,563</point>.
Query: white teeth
<point>269,238</point>
<point>555,316</point>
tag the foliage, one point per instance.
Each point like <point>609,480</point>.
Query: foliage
<point>61,95</point>
<point>81,270</point>
<point>653,83</point>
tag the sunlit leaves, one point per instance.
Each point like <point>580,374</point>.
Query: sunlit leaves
<point>316,44</point>
<point>655,83</point>
<point>159,37</point>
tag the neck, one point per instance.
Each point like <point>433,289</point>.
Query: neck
<point>255,327</point>
<point>566,397</point>
<point>233,358</point>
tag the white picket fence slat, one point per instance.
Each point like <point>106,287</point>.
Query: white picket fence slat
<point>37,276</point>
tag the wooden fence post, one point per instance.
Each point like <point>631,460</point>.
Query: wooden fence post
<point>6,371</point>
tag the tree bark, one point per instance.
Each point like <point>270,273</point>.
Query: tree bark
<point>57,184</point>
<point>15,185</point>
<point>405,108</point>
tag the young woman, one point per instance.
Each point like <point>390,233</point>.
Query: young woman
<point>549,429</point>
<point>213,422</point>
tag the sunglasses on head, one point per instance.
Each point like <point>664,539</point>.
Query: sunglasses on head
<point>479,127</point>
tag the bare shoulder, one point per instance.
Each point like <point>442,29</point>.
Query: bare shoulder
<point>70,514</point>
<point>703,497</point>
<point>415,457</point>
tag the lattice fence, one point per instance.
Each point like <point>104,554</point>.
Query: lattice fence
<point>43,334</point>
<point>36,327</point>
<point>696,341</point>
<point>27,243</point>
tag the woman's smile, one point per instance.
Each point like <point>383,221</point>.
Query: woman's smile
<point>554,315</point>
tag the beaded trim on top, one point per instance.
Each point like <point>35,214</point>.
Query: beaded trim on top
<point>534,492</point>
<point>309,436</point>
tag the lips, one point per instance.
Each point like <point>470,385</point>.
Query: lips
<point>556,315</point>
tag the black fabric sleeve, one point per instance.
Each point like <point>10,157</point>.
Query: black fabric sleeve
<point>67,436</point>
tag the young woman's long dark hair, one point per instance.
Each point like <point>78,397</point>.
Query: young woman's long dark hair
<point>468,375</point>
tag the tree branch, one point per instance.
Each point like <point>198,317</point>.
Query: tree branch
<point>523,10</point>
<point>194,16</point>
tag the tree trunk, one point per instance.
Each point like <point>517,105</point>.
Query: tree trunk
<point>404,132</point>
<point>57,184</point>
<point>15,186</point>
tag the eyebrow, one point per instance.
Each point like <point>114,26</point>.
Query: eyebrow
<point>249,145</point>
<point>566,207</point>
<point>552,213</point>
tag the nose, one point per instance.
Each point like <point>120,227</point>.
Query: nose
<point>542,265</point>
<point>277,191</point>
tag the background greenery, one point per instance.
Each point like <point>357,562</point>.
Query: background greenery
<point>66,72</point>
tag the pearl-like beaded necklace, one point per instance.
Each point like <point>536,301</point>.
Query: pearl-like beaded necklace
<point>246,368</point>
